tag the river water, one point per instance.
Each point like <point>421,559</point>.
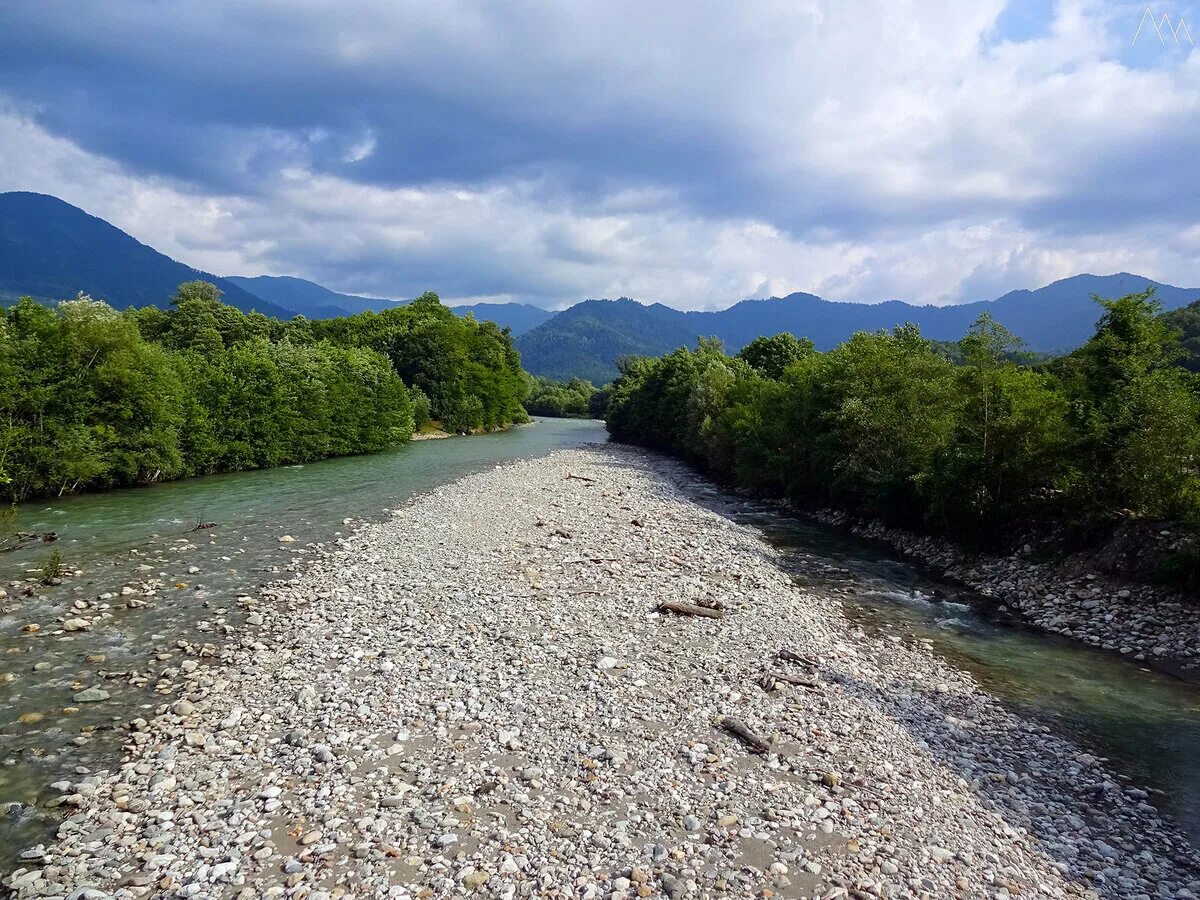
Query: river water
<point>1145,723</point>
<point>142,540</point>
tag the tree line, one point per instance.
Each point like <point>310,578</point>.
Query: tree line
<point>890,425</point>
<point>92,397</point>
<point>574,399</point>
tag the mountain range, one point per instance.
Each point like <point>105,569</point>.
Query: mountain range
<point>317,302</point>
<point>587,339</point>
<point>51,250</point>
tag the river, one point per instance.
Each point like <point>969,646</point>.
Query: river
<point>1147,724</point>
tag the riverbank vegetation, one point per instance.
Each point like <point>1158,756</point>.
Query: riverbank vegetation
<point>572,399</point>
<point>887,425</point>
<point>91,397</point>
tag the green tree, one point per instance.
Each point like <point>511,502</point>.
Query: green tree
<point>771,356</point>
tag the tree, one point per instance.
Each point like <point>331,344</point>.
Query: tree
<point>770,356</point>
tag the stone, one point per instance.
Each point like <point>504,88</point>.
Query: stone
<point>91,695</point>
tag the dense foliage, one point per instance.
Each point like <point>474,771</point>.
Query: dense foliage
<point>93,397</point>
<point>1186,322</point>
<point>886,424</point>
<point>560,399</point>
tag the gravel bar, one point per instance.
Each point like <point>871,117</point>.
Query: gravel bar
<point>481,696</point>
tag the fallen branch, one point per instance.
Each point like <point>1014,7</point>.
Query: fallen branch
<point>689,609</point>
<point>201,526</point>
<point>772,680</point>
<point>792,656</point>
<point>572,475</point>
<point>742,732</point>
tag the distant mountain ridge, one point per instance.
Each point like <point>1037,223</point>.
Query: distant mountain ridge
<point>587,339</point>
<point>318,302</point>
<point>308,298</point>
<point>52,250</point>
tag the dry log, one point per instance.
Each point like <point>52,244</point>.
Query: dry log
<point>742,732</point>
<point>689,609</point>
<point>792,656</point>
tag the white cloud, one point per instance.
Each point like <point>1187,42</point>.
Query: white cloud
<point>863,151</point>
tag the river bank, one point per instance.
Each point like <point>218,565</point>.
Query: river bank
<point>1143,622</point>
<point>148,580</point>
<point>479,694</point>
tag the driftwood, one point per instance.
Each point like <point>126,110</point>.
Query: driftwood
<point>792,656</point>
<point>572,475</point>
<point>689,609</point>
<point>562,533</point>
<point>740,730</point>
<point>201,526</point>
<point>772,680</point>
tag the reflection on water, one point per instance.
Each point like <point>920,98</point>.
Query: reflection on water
<point>1146,723</point>
<point>142,540</point>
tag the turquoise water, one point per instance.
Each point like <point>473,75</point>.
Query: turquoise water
<point>1146,723</point>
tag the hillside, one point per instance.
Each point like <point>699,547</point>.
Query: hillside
<point>52,250</point>
<point>1057,317</point>
<point>318,302</point>
<point>587,339</point>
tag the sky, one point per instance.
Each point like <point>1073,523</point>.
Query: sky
<point>692,153</point>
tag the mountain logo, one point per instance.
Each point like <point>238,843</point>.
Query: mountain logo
<point>1164,24</point>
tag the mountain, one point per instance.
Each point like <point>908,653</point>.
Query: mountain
<point>52,250</point>
<point>318,302</point>
<point>308,298</point>
<point>520,317</point>
<point>587,339</point>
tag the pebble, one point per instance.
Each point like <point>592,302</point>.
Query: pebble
<point>420,712</point>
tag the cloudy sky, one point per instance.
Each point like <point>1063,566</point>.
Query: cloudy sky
<point>694,153</point>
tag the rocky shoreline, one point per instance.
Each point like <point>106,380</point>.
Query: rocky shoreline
<point>480,695</point>
<point>1145,623</point>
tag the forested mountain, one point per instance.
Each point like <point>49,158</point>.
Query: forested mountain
<point>587,339</point>
<point>318,302</point>
<point>51,250</point>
